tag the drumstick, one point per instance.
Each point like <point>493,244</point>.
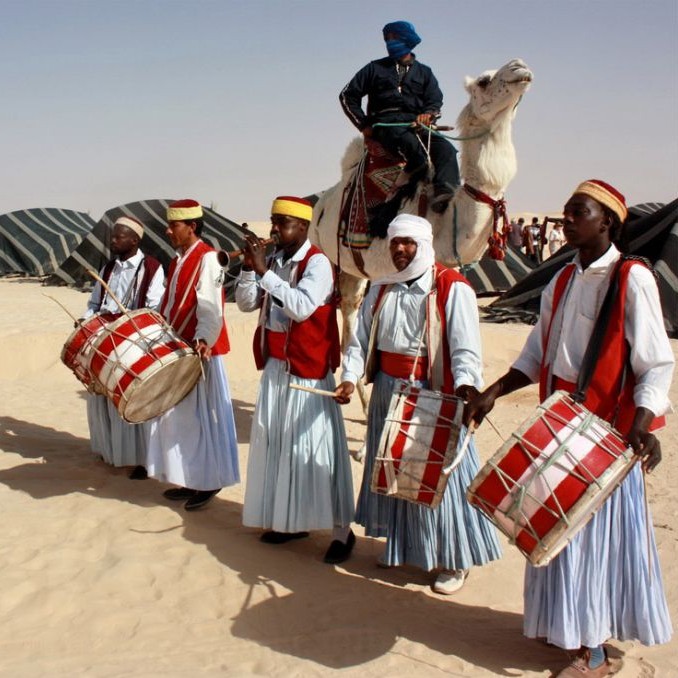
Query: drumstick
<point>494,428</point>
<point>462,452</point>
<point>75,320</point>
<point>94,275</point>
<point>310,389</point>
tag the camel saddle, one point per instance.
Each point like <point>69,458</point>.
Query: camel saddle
<point>364,212</point>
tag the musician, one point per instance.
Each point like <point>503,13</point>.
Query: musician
<point>419,296</point>
<point>137,280</point>
<point>298,472</point>
<point>194,444</point>
<point>602,585</point>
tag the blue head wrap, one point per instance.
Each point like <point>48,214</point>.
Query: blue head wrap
<point>406,41</point>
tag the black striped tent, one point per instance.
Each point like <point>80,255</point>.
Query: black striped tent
<point>490,277</point>
<point>652,232</point>
<point>93,252</point>
<point>36,242</point>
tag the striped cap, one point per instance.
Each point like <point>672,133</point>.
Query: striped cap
<point>293,207</point>
<point>132,224</point>
<point>184,210</point>
<point>606,195</point>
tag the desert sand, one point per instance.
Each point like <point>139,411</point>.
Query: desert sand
<point>103,577</point>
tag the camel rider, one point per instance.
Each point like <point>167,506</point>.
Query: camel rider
<point>401,89</point>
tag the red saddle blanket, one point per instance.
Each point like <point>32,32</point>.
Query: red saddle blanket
<point>367,189</point>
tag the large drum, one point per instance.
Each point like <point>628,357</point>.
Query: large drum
<point>546,482</point>
<point>418,445</point>
<point>78,346</point>
<point>142,365</point>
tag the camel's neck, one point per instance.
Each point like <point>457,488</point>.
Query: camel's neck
<point>488,163</point>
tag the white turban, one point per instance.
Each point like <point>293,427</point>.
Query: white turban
<point>132,224</point>
<point>421,231</point>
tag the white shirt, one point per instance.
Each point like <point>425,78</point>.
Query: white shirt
<point>651,355</point>
<point>210,306</point>
<point>125,273</point>
<point>402,320</point>
<point>556,240</point>
<point>288,303</point>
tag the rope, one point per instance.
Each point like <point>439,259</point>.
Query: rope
<point>432,130</point>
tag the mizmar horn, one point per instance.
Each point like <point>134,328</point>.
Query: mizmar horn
<point>225,257</point>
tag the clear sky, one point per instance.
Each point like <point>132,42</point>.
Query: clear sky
<point>232,103</point>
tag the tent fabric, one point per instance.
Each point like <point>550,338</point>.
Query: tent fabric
<point>36,242</point>
<point>93,252</point>
<point>490,277</point>
<point>652,232</point>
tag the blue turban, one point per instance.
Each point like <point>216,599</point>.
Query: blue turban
<point>406,41</point>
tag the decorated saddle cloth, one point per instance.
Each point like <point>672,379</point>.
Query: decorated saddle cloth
<point>366,191</point>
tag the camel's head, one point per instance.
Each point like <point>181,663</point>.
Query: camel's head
<point>495,92</point>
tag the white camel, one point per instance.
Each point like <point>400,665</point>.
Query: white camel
<point>488,164</point>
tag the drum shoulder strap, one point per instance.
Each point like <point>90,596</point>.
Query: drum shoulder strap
<point>595,344</point>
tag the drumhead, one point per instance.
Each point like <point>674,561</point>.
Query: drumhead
<point>158,392</point>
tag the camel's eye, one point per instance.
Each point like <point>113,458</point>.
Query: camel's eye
<point>484,81</point>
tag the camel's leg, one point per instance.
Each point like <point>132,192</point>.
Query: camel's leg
<point>352,291</point>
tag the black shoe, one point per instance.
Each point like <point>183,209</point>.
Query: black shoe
<point>338,552</point>
<point>199,499</point>
<point>178,493</point>
<point>273,537</point>
<point>138,473</point>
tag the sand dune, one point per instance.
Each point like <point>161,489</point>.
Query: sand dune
<point>102,577</point>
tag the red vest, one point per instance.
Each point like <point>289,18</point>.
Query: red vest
<point>312,346</point>
<point>183,314</point>
<point>444,279</point>
<point>610,393</point>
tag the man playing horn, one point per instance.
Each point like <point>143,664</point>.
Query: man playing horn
<point>137,280</point>
<point>606,583</point>
<point>298,472</point>
<point>426,327</point>
<point>400,89</point>
<point>193,444</point>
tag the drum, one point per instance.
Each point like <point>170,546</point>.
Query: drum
<point>77,346</point>
<point>141,364</point>
<point>546,482</point>
<point>418,445</point>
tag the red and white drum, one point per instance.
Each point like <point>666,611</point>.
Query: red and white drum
<point>78,345</point>
<point>418,445</point>
<point>546,482</point>
<point>140,363</point>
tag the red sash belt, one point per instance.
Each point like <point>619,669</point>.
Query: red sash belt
<point>276,342</point>
<point>569,386</point>
<point>562,385</point>
<point>400,366</point>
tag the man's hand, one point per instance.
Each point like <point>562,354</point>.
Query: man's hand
<point>644,443</point>
<point>343,392</point>
<point>426,119</point>
<point>478,407</point>
<point>202,349</point>
<point>254,255</point>
<point>467,392</point>
<point>367,132</point>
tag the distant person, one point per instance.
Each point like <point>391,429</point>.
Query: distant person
<point>556,238</point>
<point>400,89</point>
<point>137,280</point>
<point>529,244</point>
<point>535,229</point>
<point>515,237</point>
